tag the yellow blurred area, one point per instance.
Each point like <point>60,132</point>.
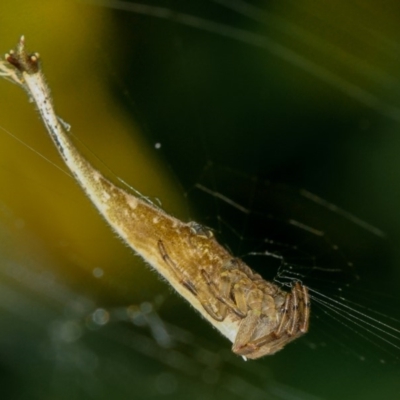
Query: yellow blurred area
<point>40,201</point>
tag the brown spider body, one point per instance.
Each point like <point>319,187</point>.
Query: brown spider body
<point>256,315</point>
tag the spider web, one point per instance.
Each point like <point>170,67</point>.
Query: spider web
<point>247,109</point>
<point>301,237</point>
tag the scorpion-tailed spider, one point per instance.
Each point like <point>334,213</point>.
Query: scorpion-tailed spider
<point>256,315</point>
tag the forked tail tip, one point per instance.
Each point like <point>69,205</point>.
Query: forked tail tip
<point>24,62</point>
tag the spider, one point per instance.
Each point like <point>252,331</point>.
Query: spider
<point>256,315</point>
<point>265,317</point>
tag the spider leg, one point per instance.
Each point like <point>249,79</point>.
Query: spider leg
<point>239,295</point>
<point>243,344</point>
<point>284,318</point>
<point>293,323</point>
<point>294,312</point>
<point>216,309</point>
<point>304,308</point>
<point>222,293</point>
